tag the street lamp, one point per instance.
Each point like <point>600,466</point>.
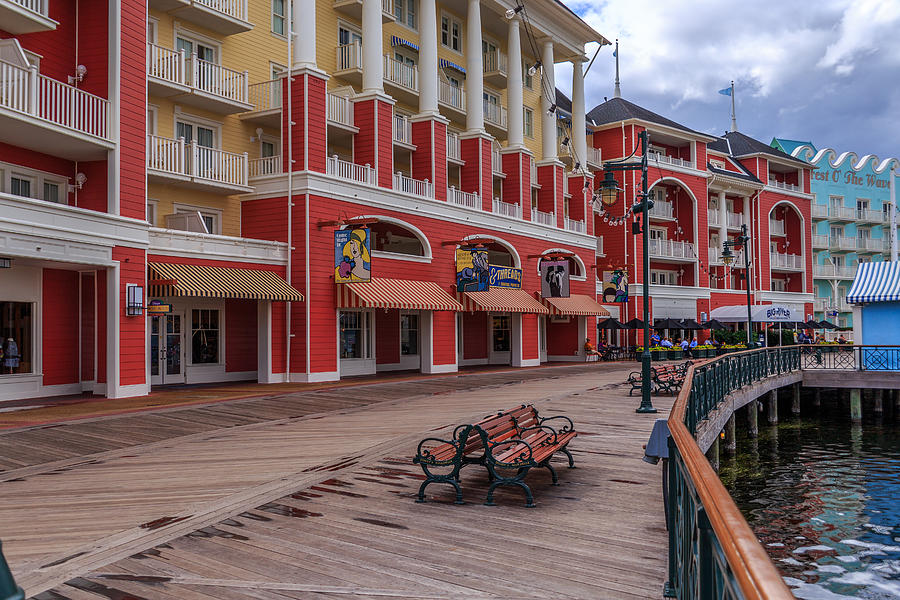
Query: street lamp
<point>741,241</point>
<point>609,191</point>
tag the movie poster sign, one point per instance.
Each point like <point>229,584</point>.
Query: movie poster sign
<point>352,260</point>
<point>505,277</point>
<point>555,279</point>
<point>615,286</point>
<point>472,270</point>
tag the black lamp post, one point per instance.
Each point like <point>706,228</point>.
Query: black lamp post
<point>742,241</point>
<point>609,192</point>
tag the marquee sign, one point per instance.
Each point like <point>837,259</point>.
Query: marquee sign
<point>505,277</point>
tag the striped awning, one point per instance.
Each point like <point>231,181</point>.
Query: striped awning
<point>395,293</point>
<point>876,282</point>
<point>167,279</point>
<point>501,300</point>
<point>446,64</point>
<point>399,41</point>
<point>577,305</point>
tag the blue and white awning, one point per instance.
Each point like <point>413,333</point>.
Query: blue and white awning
<point>876,282</point>
<point>446,64</point>
<point>399,41</point>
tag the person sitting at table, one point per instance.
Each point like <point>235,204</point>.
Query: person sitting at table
<point>842,339</point>
<point>655,339</point>
<point>666,343</point>
<point>693,344</point>
<point>589,349</point>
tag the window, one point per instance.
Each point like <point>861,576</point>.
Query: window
<point>405,12</point>
<point>190,46</point>
<point>51,192</point>
<point>151,119</point>
<point>837,231</point>
<point>409,334</point>
<point>529,122</point>
<point>388,237</point>
<point>527,77</point>
<point>663,278</point>
<point>211,218</point>
<point>16,343</point>
<point>20,186</point>
<point>204,336</point>
<point>354,337</point>
<point>277,70</point>
<point>864,259</point>
<point>778,285</point>
<point>838,261</point>
<point>863,234</point>
<point>348,36</point>
<point>836,201</point>
<point>151,212</point>
<point>267,149</point>
<point>451,33</point>
<point>658,233</point>
<point>278,20</point>
<point>500,331</point>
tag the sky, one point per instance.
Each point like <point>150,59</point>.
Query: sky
<point>825,71</point>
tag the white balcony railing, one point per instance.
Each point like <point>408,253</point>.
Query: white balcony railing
<point>820,241</point>
<point>418,187</point>
<point>594,157</point>
<point>402,129</point>
<point>496,161</point>
<point>735,220</point>
<point>670,160</point>
<point>715,257</point>
<point>820,210</point>
<point>340,109</point>
<point>265,95</point>
<point>179,158</point>
<point>267,165</point>
<point>544,218</point>
<point>452,95</point>
<point>37,6</point>
<point>779,260</point>
<point>831,271</point>
<point>843,213</point>
<point>461,198</point>
<point>662,209</point>
<point>785,186</point>
<point>820,304</point>
<point>840,242</point>
<point>507,209</point>
<point>672,249</point>
<point>712,216</point>
<point>776,227</point>
<point>494,62</point>
<point>453,148</point>
<point>205,76</point>
<point>573,225</point>
<point>236,9</point>
<point>28,92</point>
<point>867,214</point>
<point>350,171</point>
<point>599,249</point>
<point>495,114</point>
<point>843,306</point>
<point>400,73</point>
<point>349,56</point>
<point>872,244</point>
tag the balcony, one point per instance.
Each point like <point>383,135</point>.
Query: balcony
<point>820,211</point>
<point>46,115</point>
<point>497,163</point>
<point>841,213</point>
<point>820,241</point>
<point>349,62</point>
<point>780,185</point>
<point>776,227</point>
<point>25,16</point>
<point>594,158</point>
<point>353,9</point>
<point>461,198</point>
<point>785,262</point>
<point>495,68</point>
<point>197,167</point>
<point>402,79</point>
<point>265,98</point>
<point>544,218</point>
<point>349,171</point>
<point>712,216</point>
<point>403,132</point>
<point>662,210</point>
<point>672,249</point>
<point>268,165</point>
<point>417,187</point>
<point>227,17</point>
<point>573,225</point>
<point>869,245</point>
<point>507,209</point>
<point>196,82</point>
<point>454,151</point>
<point>734,220</point>
<point>656,157</point>
<point>842,243</point>
<point>221,246</point>
<point>820,304</point>
<point>453,98</point>
<point>495,116</point>
<point>339,111</point>
<point>870,216</point>
<point>834,272</point>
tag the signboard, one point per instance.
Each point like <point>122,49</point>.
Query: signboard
<point>555,278</point>
<point>615,286</point>
<point>472,270</point>
<point>157,307</point>
<point>352,260</point>
<point>505,277</point>
<point>5,263</point>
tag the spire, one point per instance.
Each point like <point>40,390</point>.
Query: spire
<point>618,92</point>
<point>733,118</point>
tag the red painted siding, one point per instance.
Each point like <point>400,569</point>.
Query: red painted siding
<point>444,337</point>
<point>387,337</point>
<point>59,327</point>
<point>132,109</point>
<point>94,194</point>
<point>316,125</point>
<point>364,142</point>
<point>385,146</point>
<point>241,331</point>
<point>132,343</point>
<point>265,219</point>
<point>562,338</point>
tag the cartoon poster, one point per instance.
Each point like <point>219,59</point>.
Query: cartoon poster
<point>352,262</point>
<point>615,286</point>
<point>555,278</point>
<point>506,277</point>
<point>472,272</point>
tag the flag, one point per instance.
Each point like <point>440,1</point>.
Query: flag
<point>615,52</point>
<point>726,91</point>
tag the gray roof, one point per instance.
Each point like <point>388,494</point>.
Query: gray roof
<point>563,102</point>
<point>745,175</point>
<point>619,109</point>
<point>743,145</point>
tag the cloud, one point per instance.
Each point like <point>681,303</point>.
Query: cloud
<point>825,71</point>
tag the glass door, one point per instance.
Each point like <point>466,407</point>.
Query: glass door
<point>167,349</point>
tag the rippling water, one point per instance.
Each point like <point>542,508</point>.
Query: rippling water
<point>823,496</point>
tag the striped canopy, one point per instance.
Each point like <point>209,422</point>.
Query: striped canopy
<point>395,293</point>
<point>576,305</point>
<point>501,300</point>
<point>876,282</point>
<point>447,64</point>
<point>203,281</point>
<point>399,41</point>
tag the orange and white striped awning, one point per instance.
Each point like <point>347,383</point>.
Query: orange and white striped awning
<point>395,293</point>
<point>501,300</point>
<point>576,305</point>
<point>168,279</point>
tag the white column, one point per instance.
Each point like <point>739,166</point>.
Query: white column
<point>475,69</point>
<point>548,120</point>
<point>428,58</point>
<point>264,342</point>
<point>304,28</point>
<point>514,87</point>
<point>578,113</point>
<point>723,218</point>
<point>372,60</point>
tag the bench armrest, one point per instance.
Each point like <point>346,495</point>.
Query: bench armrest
<point>522,458</point>
<point>423,454</point>
<point>545,428</point>
<point>567,426</point>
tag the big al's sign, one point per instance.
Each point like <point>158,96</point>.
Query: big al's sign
<point>851,178</point>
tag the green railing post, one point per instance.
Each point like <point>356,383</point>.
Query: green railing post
<point>669,587</point>
<point>8,588</point>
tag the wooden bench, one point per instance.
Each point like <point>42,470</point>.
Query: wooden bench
<point>518,439</point>
<point>663,378</point>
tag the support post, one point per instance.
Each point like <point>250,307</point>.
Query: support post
<point>878,401</point>
<point>795,399</point>
<point>773,408</point>
<point>896,403</point>
<point>730,441</point>
<point>713,455</point>
<point>817,400</point>
<point>855,404</point>
<point>753,418</point>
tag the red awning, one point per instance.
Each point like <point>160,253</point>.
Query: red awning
<point>501,300</point>
<point>395,293</point>
<point>577,305</point>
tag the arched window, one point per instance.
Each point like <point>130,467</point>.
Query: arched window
<point>396,239</point>
<point>576,266</point>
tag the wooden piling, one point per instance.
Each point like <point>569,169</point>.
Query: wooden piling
<point>773,407</point>
<point>730,441</point>
<point>855,404</point>
<point>753,418</point>
<point>795,399</point>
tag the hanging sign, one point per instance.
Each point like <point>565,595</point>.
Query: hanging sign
<point>505,277</point>
<point>555,278</point>
<point>158,307</point>
<point>352,260</point>
<point>615,286</point>
<point>472,270</point>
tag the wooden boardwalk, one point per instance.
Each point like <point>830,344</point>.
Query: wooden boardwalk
<point>309,495</point>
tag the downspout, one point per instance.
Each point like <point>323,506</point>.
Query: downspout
<point>290,194</point>
<point>306,231</point>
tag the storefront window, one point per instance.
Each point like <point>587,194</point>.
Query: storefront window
<point>501,333</point>
<point>16,343</point>
<point>204,336</point>
<point>409,334</point>
<point>354,335</point>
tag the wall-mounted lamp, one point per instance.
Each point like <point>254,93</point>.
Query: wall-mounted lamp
<point>5,263</point>
<point>134,300</point>
<point>80,179</point>
<point>258,137</point>
<point>78,77</point>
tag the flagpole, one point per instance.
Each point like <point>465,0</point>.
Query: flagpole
<point>733,118</point>
<point>618,92</point>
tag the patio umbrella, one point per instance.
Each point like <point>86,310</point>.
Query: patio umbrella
<point>691,324</point>
<point>634,324</point>
<point>611,324</point>
<point>826,325</point>
<point>811,325</point>
<point>667,324</point>
<point>715,325</point>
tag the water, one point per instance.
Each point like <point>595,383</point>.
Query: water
<point>823,496</point>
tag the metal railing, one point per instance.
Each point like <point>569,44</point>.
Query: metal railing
<point>544,218</point>
<point>778,260</point>
<point>672,249</point>
<point>38,6</point>
<point>496,162</point>
<point>267,165</point>
<point>179,158</point>
<point>495,114</point>
<point>867,214</point>
<point>843,213</point>
<point>452,95</point>
<point>712,216</point>
<point>419,187</point>
<point>820,210</point>
<point>573,225</point>
<point>507,209</point>
<point>28,92</point>
<point>401,73</point>
<point>349,56</point>
<point>340,109</point>
<point>453,148</point>
<point>350,171</point>
<point>840,242</point>
<point>848,272</point>
<point>871,244</point>
<point>781,185</point>
<point>494,62</point>
<point>402,129</point>
<point>233,8</point>
<point>662,209</point>
<point>265,95</point>
<point>670,160</point>
<point>461,198</point>
<point>776,227</point>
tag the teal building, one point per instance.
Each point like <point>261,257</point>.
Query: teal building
<point>851,220</point>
